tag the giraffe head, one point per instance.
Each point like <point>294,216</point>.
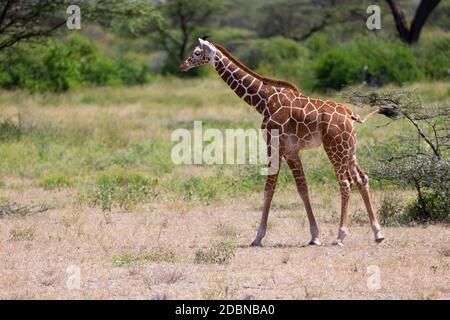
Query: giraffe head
<point>204,53</point>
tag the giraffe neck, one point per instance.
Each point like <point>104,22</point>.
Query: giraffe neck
<point>246,86</point>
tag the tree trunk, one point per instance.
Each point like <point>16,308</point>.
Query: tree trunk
<point>399,19</point>
<point>411,35</point>
<point>421,16</point>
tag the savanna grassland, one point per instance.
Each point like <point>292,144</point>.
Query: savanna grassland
<point>86,179</point>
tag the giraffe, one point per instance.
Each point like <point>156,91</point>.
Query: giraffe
<point>302,123</point>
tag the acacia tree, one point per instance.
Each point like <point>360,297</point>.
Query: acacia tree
<point>176,26</point>
<point>411,34</point>
<point>32,19</point>
<point>300,19</point>
<point>20,20</point>
<point>421,161</point>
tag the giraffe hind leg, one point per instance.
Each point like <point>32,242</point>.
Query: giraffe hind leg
<point>340,164</point>
<point>363,187</point>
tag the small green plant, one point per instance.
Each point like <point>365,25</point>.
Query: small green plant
<point>203,189</point>
<point>391,210</point>
<point>220,252</point>
<point>57,181</point>
<point>21,234</point>
<point>157,256</point>
<point>220,291</point>
<point>9,130</point>
<point>122,189</point>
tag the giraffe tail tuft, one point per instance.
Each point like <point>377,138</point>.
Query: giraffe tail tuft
<point>389,112</point>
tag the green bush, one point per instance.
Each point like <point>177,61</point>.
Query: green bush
<point>58,66</point>
<point>430,206</point>
<point>391,211</point>
<point>48,67</point>
<point>272,50</point>
<point>337,69</point>
<point>131,73</point>
<point>433,57</point>
<point>279,58</point>
<point>368,59</point>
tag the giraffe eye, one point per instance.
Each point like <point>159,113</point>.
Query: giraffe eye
<point>197,53</point>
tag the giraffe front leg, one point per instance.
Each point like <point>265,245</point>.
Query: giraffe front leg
<point>296,167</point>
<point>269,190</point>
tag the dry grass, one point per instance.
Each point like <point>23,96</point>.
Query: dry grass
<point>160,263</point>
<point>116,142</point>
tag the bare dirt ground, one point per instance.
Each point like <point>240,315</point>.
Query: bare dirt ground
<point>115,253</point>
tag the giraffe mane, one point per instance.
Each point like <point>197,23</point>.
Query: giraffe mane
<point>274,82</point>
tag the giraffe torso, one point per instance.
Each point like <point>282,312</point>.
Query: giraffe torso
<point>304,122</point>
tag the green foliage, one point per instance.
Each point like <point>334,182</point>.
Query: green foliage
<point>231,38</point>
<point>220,252</point>
<point>9,130</point>
<point>57,66</point>
<point>391,211</point>
<point>203,189</point>
<point>433,56</point>
<point>423,163</point>
<point>337,69</point>
<point>274,50</point>
<point>175,30</point>
<point>430,206</point>
<point>122,189</point>
<point>278,57</point>
<point>57,181</point>
<point>368,59</point>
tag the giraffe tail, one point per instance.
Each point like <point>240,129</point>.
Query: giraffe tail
<point>388,112</point>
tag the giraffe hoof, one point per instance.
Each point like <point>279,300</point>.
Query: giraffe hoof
<point>256,243</point>
<point>379,239</point>
<point>315,242</point>
<point>338,242</point>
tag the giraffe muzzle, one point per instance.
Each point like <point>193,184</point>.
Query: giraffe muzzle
<point>184,67</point>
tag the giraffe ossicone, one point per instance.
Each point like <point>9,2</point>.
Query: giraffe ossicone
<point>205,45</point>
<point>302,123</point>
